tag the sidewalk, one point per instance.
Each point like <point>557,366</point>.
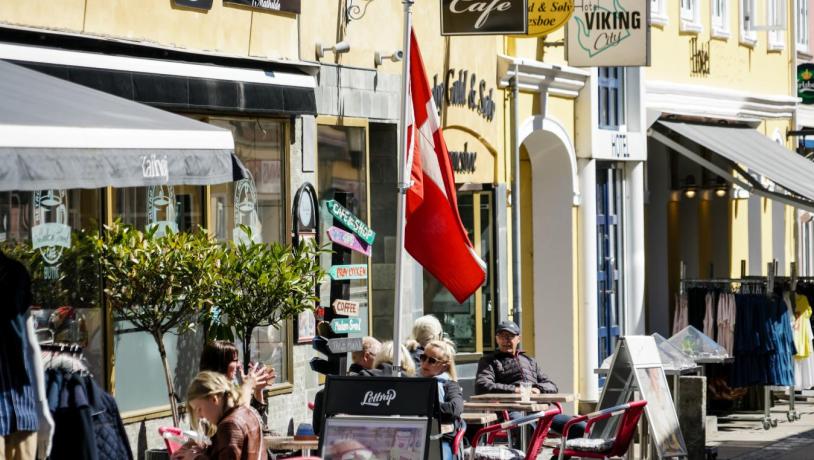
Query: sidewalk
<point>747,440</point>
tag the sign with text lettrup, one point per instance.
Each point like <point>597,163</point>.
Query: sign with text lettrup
<point>483,17</point>
<point>609,33</point>
<point>288,6</point>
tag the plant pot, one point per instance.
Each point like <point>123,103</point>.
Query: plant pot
<point>156,454</point>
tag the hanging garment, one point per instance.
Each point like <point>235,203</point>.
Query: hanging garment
<point>764,342</point>
<point>680,320</point>
<point>726,321</point>
<point>804,359</point>
<point>709,315</point>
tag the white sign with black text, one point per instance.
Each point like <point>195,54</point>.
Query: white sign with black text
<point>609,33</point>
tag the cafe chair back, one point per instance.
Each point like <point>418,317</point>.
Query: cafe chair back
<point>458,443</point>
<point>591,447</point>
<point>488,452</point>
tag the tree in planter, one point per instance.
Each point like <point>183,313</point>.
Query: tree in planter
<point>263,284</point>
<point>158,284</point>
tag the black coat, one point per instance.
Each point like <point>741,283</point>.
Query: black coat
<point>501,372</point>
<point>449,412</point>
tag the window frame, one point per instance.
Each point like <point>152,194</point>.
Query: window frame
<point>658,13</point>
<point>747,37</point>
<point>775,38</point>
<point>620,99</point>
<point>690,15</point>
<point>719,23</point>
<point>801,25</point>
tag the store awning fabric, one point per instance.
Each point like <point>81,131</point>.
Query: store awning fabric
<point>745,150</point>
<point>57,134</point>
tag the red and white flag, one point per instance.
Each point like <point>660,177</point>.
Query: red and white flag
<point>433,233</point>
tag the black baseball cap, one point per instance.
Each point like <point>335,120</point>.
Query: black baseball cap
<point>508,326</point>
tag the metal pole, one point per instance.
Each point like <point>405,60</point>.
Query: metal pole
<point>403,185</point>
<point>516,304</point>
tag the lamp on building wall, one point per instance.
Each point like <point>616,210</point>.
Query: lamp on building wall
<point>395,56</point>
<point>721,187</point>
<point>690,189</point>
<point>339,48</point>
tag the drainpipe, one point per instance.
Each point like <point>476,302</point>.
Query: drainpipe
<point>516,285</point>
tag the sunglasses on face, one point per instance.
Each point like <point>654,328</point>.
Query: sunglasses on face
<point>430,359</point>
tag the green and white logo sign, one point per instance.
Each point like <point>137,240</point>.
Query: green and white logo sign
<point>609,33</point>
<point>805,83</point>
<point>50,233</point>
<point>350,221</point>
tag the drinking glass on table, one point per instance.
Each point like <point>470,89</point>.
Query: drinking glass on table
<point>525,392</point>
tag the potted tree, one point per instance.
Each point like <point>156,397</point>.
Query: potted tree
<point>158,284</point>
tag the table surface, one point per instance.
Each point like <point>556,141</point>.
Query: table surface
<point>479,418</point>
<point>288,443</point>
<point>542,398</point>
<point>505,405</point>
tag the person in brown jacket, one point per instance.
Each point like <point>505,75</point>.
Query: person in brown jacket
<point>215,405</point>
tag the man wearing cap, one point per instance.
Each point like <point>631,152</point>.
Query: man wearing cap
<point>504,370</point>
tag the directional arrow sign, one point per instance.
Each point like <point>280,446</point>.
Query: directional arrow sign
<point>345,345</point>
<point>352,222</point>
<point>343,238</point>
<point>346,307</point>
<point>346,325</point>
<point>349,272</point>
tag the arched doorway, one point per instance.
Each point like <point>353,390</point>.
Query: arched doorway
<point>548,240</point>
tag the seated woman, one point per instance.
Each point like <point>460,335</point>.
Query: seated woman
<point>216,408</point>
<point>383,363</point>
<point>438,360</point>
<point>221,356</point>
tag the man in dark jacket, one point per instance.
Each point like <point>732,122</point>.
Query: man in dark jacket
<point>504,370</point>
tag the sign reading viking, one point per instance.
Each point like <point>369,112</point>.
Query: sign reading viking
<point>805,83</point>
<point>483,17</point>
<point>609,33</point>
<point>546,16</point>
<point>288,6</point>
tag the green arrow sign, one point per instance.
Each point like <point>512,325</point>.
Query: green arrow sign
<point>353,223</point>
<point>346,325</point>
<point>349,272</point>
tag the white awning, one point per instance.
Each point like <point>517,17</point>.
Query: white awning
<point>742,149</point>
<point>57,134</point>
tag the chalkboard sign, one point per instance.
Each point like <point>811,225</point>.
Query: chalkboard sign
<point>636,366</point>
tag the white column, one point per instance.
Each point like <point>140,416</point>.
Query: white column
<point>634,311</point>
<point>588,328</point>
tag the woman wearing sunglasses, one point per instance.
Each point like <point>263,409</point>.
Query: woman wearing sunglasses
<point>438,360</point>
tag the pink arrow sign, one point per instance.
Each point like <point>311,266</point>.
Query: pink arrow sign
<point>347,239</point>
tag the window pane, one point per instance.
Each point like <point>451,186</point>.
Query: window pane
<point>269,346</point>
<point>487,253</point>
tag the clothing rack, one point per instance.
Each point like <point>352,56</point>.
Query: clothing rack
<point>769,281</point>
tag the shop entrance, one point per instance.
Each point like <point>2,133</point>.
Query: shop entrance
<point>610,255</point>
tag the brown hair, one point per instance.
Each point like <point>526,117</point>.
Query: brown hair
<point>217,355</point>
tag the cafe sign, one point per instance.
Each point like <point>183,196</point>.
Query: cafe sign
<point>609,33</point>
<point>350,221</point>
<point>546,16</point>
<point>346,325</point>
<point>288,6</point>
<point>346,307</point>
<point>348,272</point>
<point>483,17</point>
<point>805,83</point>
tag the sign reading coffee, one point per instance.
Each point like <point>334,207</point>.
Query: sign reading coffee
<point>483,17</point>
<point>805,83</point>
<point>609,33</point>
<point>288,6</point>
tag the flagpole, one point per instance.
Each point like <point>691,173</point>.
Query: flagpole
<point>403,185</point>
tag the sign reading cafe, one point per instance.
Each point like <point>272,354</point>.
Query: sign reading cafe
<point>609,33</point>
<point>289,6</point>
<point>483,17</point>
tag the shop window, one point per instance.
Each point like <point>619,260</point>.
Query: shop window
<point>748,36</point>
<point>342,176</point>
<point>720,18</point>
<point>611,90</point>
<point>271,346</point>
<point>658,12</point>
<point>690,16</point>
<point>470,324</point>
<point>64,277</point>
<point>801,26</point>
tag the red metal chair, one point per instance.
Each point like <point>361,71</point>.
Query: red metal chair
<point>543,420</point>
<point>502,435</point>
<point>616,446</point>
<point>458,443</point>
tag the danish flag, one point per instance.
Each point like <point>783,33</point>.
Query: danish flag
<point>433,233</point>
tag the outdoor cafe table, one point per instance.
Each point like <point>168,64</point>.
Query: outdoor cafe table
<point>288,443</point>
<point>479,418</point>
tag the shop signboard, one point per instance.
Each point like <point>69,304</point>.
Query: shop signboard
<point>350,221</point>
<point>483,17</point>
<point>346,307</point>
<point>348,272</point>
<point>197,4</point>
<point>345,345</point>
<point>805,83</point>
<point>546,16</point>
<point>288,6</point>
<point>346,325</point>
<point>637,367</point>
<point>348,240</point>
<point>609,33</point>
<point>50,232</point>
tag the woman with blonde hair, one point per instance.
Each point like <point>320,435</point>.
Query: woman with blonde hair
<point>425,329</point>
<point>219,410</point>
<point>438,361</point>
<point>383,363</point>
